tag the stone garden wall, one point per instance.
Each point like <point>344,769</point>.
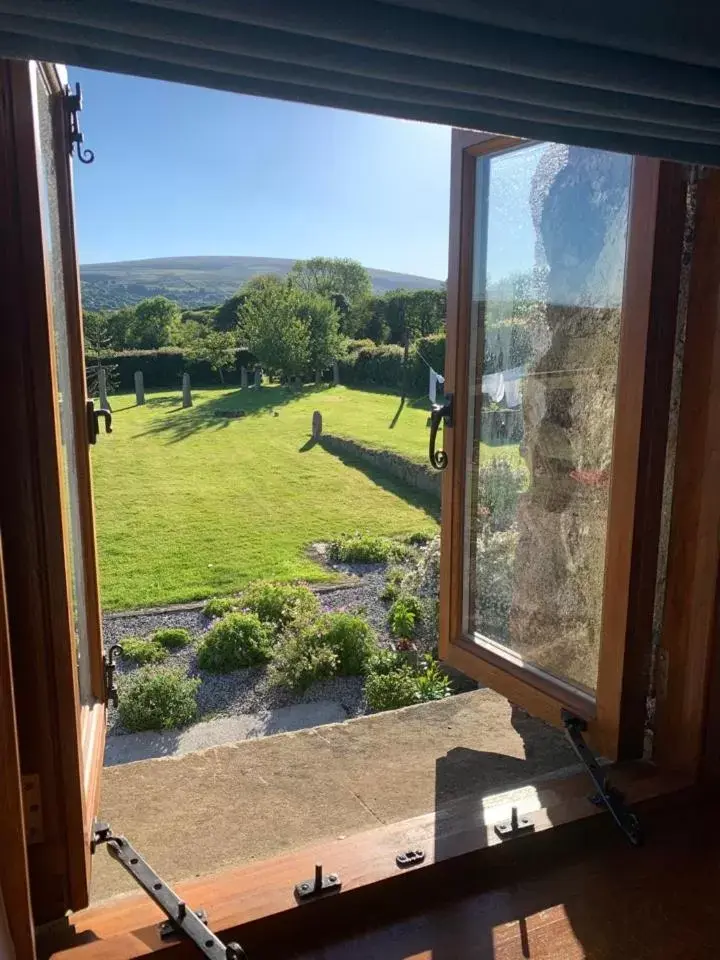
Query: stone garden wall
<point>393,464</point>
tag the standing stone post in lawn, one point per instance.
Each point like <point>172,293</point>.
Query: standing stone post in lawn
<point>258,377</point>
<point>139,388</point>
<point>102,389</point>
<point>187,396</point>
<point>316,425</point>
<point>243,378</point>
<point>336,373</point>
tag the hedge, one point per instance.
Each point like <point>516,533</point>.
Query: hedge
<point>164,368</point>
<point>383,366</point>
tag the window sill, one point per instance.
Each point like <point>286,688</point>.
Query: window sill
<point>256,900</point>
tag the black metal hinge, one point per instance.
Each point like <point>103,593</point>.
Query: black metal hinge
<point>181,919</point>
<point>606,795</point>
<point>73,106</point>
<point>111,692</point>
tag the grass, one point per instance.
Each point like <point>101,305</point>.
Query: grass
<point>189,505</point>
<point>382,421</point>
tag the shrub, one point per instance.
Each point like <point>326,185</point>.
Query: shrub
<point>219,606</point>
<point>350,637</point>
<point>142,650</point>
<point>418,539</point>
<point>171,637</point>
<point>403,616</point>
<point>384,661</point>
<point>238,640</point>
<point>281,604</point>
<point>393,579</point>
<point>364,548</point>
<point>157,698</point>
<point>301,660</point>
<point>431,682</point>
<point>388,691</point>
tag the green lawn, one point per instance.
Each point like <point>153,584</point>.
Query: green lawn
<point>189,505</point>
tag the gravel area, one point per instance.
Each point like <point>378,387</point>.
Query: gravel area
<point>247,692</point>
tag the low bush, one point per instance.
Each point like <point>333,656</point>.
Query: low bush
<point>418,539</point>
<point>301,660</point>
<point>403,616</point>
<point>142,650</point>
<point>281,604</point>
<point>393,580</point>
<point>389,691</point>
<point>157,698</point>
<point>219,606</point>
<point>238,640</point>
<point>392,683</point>
<point>350,637</point>
<point>364,548</point>
<point>432,683</point>
<point>171,637</point>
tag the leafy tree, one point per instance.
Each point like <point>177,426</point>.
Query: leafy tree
<point>336,278</point>
<point>153,322</point>
<point>322,322</point>
<point>119,325</point>
<point>227,316</point>
<point>275,330</point>
<point>216,347</point>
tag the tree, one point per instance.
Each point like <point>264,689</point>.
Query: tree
<point>153,321</point>
<point>275,330</point>
<point>119,326</point>
<point>322,322</point>
<point>227,316</point>
<point>335,278</point>
<point>216,347</point>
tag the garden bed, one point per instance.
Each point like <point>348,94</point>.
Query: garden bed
<point>257,704</point>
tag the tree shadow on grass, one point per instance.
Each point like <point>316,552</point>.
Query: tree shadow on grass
<point>179,423</point>
<point>413,496</point>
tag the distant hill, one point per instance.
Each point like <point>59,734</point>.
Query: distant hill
<point>200,281</point>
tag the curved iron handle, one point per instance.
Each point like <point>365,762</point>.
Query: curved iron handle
<point>93,421</point>
<point>438,458</point>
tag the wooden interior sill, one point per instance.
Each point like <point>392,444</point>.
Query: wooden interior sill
<point>243,901</point>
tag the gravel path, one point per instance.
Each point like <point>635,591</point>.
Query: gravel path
<point>247,692</point>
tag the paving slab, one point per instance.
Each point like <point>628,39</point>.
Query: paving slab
<point>210,733</point>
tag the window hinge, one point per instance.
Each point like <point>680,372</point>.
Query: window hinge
<point>32,808</point>
<point>181,919</point>
<point>109,666</point>
<point>606,795</point>
<point>73,106</point>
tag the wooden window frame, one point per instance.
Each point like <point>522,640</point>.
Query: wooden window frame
<point>616,713</point>
<point>66,767</point>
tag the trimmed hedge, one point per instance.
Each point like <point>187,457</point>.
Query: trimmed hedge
<point>164,368</point>
<point>383,366</point>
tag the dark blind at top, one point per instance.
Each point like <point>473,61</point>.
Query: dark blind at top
<point>637,77</point>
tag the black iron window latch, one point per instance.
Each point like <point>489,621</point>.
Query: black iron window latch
<point>181,920</point>
<point>606,795</point>
<point>438,413</point>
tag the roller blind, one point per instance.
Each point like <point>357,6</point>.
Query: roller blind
<point>638,77</point>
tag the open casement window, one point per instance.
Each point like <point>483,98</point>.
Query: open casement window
<point>61,723</point>
<point>552,492</point>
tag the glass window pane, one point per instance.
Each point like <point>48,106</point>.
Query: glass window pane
<point>69,440</point>
<point>549,263</point>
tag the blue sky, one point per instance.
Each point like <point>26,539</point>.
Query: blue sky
<point>183,171</point>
